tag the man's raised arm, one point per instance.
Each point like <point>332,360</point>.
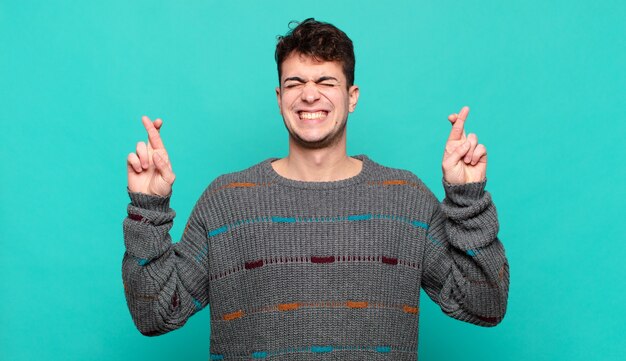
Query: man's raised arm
<point>465,268</point>
<point>164,283</point>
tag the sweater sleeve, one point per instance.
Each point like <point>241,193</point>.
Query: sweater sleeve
<point>165,283</point>
<point>465,268</point>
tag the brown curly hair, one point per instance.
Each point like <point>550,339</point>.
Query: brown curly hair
<point>319,40</point>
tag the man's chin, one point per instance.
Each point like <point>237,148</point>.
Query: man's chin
<point>324,142</point>
<point>320,144</point>
<point>328,140</point>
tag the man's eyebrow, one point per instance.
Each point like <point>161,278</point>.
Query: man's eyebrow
<point>324,78</point>
<point>295,78</point>
<point>319,80</point>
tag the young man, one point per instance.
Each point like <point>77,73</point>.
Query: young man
<point>316,255</point>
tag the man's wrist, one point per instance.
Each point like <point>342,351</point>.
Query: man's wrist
<point>151,202</point>
<point>464,194</point>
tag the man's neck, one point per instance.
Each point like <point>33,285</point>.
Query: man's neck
<point>318,165</point>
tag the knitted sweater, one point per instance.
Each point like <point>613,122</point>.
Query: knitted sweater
<point>298,270</point>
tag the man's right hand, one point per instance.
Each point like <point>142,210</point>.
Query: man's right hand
<point>149,169</point>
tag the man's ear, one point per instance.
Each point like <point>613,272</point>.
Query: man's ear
<point>353,97</point>
<point>278,97</point>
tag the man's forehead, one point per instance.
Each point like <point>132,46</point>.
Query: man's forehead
<point>297,64</point>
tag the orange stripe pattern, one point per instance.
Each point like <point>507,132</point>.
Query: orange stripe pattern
<point>233,315</point>
<point>288,306</point>
<point>395,182</point>
<point>283,307</point>
<point>354,304</point>
<point>241,185</point>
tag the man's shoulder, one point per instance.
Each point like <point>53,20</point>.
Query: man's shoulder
<point>248,177</point>
<point>391,174</point>
<point>260,175</point>
<point>386,175</point>
<point>387,171</point>
<point>252,176</point>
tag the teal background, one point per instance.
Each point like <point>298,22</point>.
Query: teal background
<point>545,81</point>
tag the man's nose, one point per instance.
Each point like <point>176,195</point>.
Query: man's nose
<point>310,93</point>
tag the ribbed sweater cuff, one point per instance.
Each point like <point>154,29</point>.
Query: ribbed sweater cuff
<point>149,201</point>
<point>464,194</point>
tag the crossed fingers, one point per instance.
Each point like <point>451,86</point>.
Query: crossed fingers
<point>154,139</point>
<point>458,124</point>
<point>142,158</point>
<point>475,151</point>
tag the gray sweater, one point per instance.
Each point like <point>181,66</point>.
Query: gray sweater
<point>315,270</point>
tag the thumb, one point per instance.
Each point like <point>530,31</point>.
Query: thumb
<point>164,167</point>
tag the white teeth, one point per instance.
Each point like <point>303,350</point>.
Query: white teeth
<point>316,115</point>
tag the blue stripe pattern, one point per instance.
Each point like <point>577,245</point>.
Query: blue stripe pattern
<point>197,304</point>
<point>141,261</point>
<point>360,217</point>
<point>433,240</point>
<point>283,220</point>
<point>314,349</point>
<point>321,349</point>
<point>215,232</point>
<point>420,224</point>
<point>350,218</point>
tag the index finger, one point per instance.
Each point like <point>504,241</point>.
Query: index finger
<point>153,134</point>
<point>458,128</point>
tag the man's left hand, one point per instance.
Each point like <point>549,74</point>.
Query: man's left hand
<point>464,160</point>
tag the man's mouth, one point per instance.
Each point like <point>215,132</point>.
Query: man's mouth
<point>313,115</point>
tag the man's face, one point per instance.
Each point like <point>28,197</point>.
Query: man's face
<point>314,100</point>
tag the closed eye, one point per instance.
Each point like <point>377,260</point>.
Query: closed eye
<point>295,81</point>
